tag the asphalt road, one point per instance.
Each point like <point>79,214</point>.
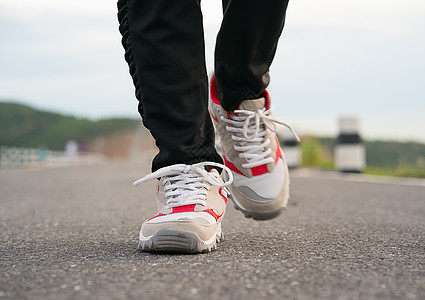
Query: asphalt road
<point>71,233</point>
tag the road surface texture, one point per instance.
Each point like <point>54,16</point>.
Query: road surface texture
<point>72,233</point>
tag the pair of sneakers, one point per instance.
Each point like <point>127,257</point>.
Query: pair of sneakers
<point>192,201</point>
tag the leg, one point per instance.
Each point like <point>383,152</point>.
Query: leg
<point>245,48</point>
<point>165,51</point>
<point>246,45</point>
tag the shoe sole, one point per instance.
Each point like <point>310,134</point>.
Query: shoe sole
<point>178,241</point>
<point>256,215</point>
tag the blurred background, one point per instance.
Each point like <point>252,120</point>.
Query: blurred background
<point>66,94</point>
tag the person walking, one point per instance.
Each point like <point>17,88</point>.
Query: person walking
<point>164,48</point>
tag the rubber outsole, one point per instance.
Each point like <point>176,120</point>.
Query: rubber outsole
<point>177,241</point>
<point>258,216</point>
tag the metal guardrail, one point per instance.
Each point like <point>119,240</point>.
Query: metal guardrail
<point>18,157</point>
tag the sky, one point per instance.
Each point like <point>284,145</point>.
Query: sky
<point>336,57</point>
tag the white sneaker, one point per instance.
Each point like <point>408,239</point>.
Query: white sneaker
<point>192,203</point>
<point>260,187</point>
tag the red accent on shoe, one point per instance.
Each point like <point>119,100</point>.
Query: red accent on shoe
<point>214,97</point>
<point>158,215</point>
<point>184,208</point>
<point>278,151</point>
<point>222,196</point>
<point>212,213</point>
<point>178,209</point>
<point>213,91</point>
<point>231,166</point>
<point>267,97</point>
<point>259,170</point>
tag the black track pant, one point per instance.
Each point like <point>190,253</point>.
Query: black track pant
<point>164,47</point>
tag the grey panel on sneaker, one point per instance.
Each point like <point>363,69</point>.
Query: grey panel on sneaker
<point>246,191</point>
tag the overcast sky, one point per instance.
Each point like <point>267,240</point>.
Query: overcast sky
<point>336,57</point>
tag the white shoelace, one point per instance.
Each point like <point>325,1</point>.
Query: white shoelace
<point>250,128</point>
<point>185,184</point>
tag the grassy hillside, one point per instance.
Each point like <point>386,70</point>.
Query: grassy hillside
<point>23,126</point>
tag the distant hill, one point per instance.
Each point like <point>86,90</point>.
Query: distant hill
<point>24,126</point>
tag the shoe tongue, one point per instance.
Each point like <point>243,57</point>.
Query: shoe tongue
<point>253,104</point>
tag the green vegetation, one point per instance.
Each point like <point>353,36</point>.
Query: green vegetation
<point>23,126</point>
<point>316,154</point>
<point>386,158</point>
<point>406,171</point>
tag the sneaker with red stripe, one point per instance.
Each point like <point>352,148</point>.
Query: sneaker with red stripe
<point>260,187</point>
<point>192,203</point>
